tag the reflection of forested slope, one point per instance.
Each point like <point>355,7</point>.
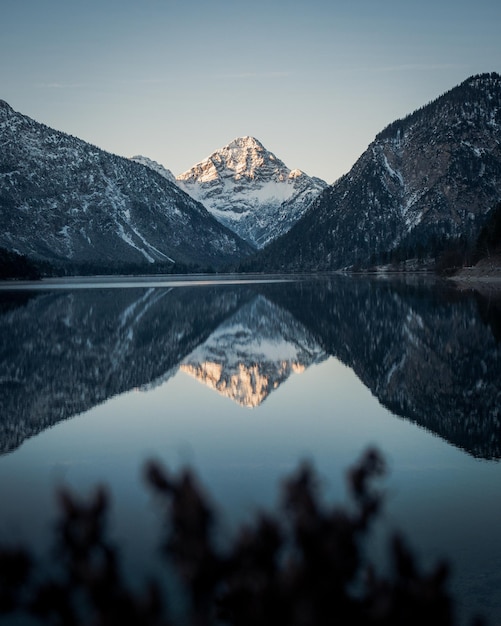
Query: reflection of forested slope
<point>63,353</point>
<point>429,356</point>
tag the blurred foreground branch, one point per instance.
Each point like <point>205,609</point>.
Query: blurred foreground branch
<point>304,567</point>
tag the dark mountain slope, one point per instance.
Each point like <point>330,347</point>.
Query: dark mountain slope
<point>64,199</point>
<point>425,181</point>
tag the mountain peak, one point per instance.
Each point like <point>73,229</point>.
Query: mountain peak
<point>245,142</point>
<point>244,157</point>
<point>251,191</point>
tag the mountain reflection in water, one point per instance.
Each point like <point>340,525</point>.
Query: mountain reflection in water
<point>253,352</point>
<point>430,354</point>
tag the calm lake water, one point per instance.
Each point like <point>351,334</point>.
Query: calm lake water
<point>241,381</point>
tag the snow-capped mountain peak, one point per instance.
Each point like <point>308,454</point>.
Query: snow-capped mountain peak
<point>250,190</point>
<point>244,157</point>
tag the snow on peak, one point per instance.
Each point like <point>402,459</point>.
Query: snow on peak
<point>243,158</point>
<point>250,190</point>
<point>244,142</point>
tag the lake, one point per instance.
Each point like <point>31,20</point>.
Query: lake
<point>242,380</point>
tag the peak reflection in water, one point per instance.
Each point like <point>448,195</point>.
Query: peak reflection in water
<point>253,352</point>
<point>430,355</point>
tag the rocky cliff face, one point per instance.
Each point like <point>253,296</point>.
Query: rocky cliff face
<point>62,199</point>
<point>426,180</point>
<point>249,190</point>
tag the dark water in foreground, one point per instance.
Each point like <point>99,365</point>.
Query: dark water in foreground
<point>241,381</point>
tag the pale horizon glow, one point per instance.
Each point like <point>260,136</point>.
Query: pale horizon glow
<point>314,82</point>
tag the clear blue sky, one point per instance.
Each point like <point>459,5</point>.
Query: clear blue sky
<point>174,80</point>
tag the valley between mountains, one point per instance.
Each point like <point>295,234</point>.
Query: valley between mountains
<point>427,191</point>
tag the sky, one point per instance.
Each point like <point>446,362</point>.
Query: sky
<point>174,80</point>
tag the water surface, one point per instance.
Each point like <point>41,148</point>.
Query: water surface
<point>241,380</point>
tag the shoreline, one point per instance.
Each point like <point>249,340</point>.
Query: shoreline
<point>473,278</point>
<point>147,280</point>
